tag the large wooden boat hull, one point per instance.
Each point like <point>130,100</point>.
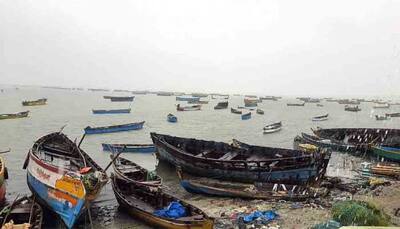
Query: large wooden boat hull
<point>112,129</point>
<point>389,153</point>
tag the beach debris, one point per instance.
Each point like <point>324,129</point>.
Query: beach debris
<point>260,216</point>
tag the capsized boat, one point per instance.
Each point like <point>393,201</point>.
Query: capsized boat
<point>256,164</point>
<point>63,177</point>
<point>188,108</point>
<point>114,128</point>
<point>129,148</point>
<point>221,105</point>
<point>246,116</point>
<point>272,128</point>
<point>172,118</point>
<point>22,114</point>
<point>320,118</point>
<point>112,111</point>
<point>23,213</point>
<point>35,102</point>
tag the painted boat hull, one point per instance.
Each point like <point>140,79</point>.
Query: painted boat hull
<point>116,111</point>
<point>113,129</point>
<point>129,148</point>
<point>246,116</point>
<point>392,154</point>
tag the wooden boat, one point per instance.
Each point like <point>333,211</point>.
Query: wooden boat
<point>235,111</point>
<point>63,177</point>
<point>382,106</point>
<point>162,93</point>
<point>114,128</point>
<point>348,102</point>
<point>296,104</point>
<point>389,153</point>
<point>320,118</point>
<point>309,100</point>
<point>381,117</point>
<point>259,111</point>
<point>122,98</point>
<point>35,102</point>
<point>23,114</point>
<point>188,108</point>
<point>141,202</point>
<point>386,169</point>
<point>135,174</point>
<point>172,118</point>
<point>187,99</point>
<point>246,116</point>
<point>129,148</point>
<point>3,178</point>
<point>221,105</point>
<point>251,102</point>
<point>262,191</point>
<point>272,128</point>
<point>198,102</point>
<point>393,115</point>
<point>352,108</point>
<point>23,213</point>
<point>326,143</point>
<point>272,98</point>
<point>226,162</point>
<point>113,111</point>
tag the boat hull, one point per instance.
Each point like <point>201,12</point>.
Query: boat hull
<point>392,154</point>
<point>270,131</point>
<point>129,148</point>
<point>121,99</point>
<point>116,111</point>
<point>113,129</point>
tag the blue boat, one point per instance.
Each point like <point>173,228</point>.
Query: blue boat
<point>129,148</point>
<point>172,118</point>
<point>246,116</point>
<point>114,128</point>
<point>187,99</point>
<point>113,111</point>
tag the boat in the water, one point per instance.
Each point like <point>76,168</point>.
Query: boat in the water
<point>198,102</point>
<point>119,98</point>
<point>22,213</point>
<point>271,98</point>
<point>227,162</point>
<point>296,104</point>
<point>63,177</point>
<point>235,111</point>
<point>22,114</point>
<point>38,102</point>
<point>320,118</point>
<point>320,105</point>
<point>129,148</point>
<point>164,93</point>
<point>259,111</point>
<point>221,105</point>
<point>112,111</point>
<point>352,108</point>
<point>187,99</point>
<point>246,116</point>
<point>188,108</point>
<point>149,204</point>
<point>381,106</point>
<point>381,117</point>
<point>114,128</point>
<point>393,115</point>
<point>172,118</point>
<point>348,101</point>
<point>272,128</point>
<point>388,153</point>
<point>200,95</point>
<point>251,102</point>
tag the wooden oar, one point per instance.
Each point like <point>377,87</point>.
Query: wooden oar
<point>114,158</point>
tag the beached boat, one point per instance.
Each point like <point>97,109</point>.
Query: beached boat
<point>388,153</point>
<point>382,106</point>
<point>22,114</point>
<point>352,108</point>
<point>35,102</point>
<point>320,118</point>
<point>22,213</point>
<point>135,174</point>
<point>145,203</point>
<point>114,128</point>
<point>113,111</point>
<point>221,105</point>
<point>381,117</point>
<point>187,99</point>
<point>63,177</point>
<point>172,118</point>
<point>121,98</point>
<point>296,104</point>
<point>259,111</point>
<point>272,128</point>
<point>129,148</point>
<point>325,143</point>
<point>188,108</point>
<point>246,116</point>
<point>235,111</point>
<point>393,115</point>
<point>224,161</point>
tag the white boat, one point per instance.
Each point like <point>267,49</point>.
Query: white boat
<point>382,106</point>
<point>272,128</point>
<point>320,118</point>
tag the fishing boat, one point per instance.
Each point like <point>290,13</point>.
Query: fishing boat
<point>261,191</point>
<point>296,104</point>
<point>272,128</point>
<point>319,105</point>
<point>163,93</point>
<point>113,111</point>
<point>3,178</point>
<point>320,118</point>
<point>221,105</point>
<point>325,143</point>
<point>235,111</point>
<point>200,95</point>
<point>251,102</point>
<point>145,203</point>
<point>271,98</point>
<point>198,102</point>
<point>114,128</point>
<point>22,114</point>
<point>388,153</point>
<point>309,100</point>
<point>393,115</point>
<point>22,213</point>
<point>134,174</point>
<point>352,108</point>
<point>63,177</point>
<point>382,106</point>
<point>246,116</point>
<point>381,117</point>
<point>348,101</point>
<point>259,111</point>
<point>122,98</point>
<point>172,118</point>
<point>226,162</point>
<point>188,108</point>
<point>35,102</point>
<point>129,148</point>
<point>187,99</point>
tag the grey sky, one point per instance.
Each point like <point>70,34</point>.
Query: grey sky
<point>269,47</point>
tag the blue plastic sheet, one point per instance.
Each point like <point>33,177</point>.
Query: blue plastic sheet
<point>265,216</point>
<point>173,211</point>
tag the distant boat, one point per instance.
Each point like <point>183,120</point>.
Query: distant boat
<point>114,128</point>
<point>129,148</point>
<point>309,100</point>
<point>198,102</point>
<point>272,128</point>
<point>22,114</point>
<point>188,108</point>
<point>382,106</point>
<point>381,117</point>
<point>187,99</point>
<point>352,108</point>
<point>389,153</point>
<point>201,95</point>
<point>296,104</point>
<point>251,102</point>
<point>319,105</point>
<point>320,118</point>
<point>348,102</point>
<point>221,105</point>
<point>122,98</point>
<point>113,111</point>
<point>272,98</point>
<point>38,102</point>
<point>246,116</point>
<point>393,115</point>
<point>259,111</point>
<point>161,93</point>
<point>139,92</point>
<point>172,118</point>
<point>236,111</point>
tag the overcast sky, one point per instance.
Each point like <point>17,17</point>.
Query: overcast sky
<point>338,47</point>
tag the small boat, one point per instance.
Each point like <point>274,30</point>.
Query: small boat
<point>381,117</point>
<point>22,213</point>
<point>187,99</point>
<point>172,118</point>
<point>246,116</point>
<point>271,98</point>
<point>389,153</point>
<point>251,102</point>
<point>320,118</point>
<point>309,100</point>
<point>5,151</point>
<point>348,101</point>
<point>382,106</point>
<point>22,114</point>
<point>221,105</point>
<point>134,174</point>
<point>188,108</point>
<point>259,111</point>
<point>352,108</point>
<point>393,115</point>
<point>235,111</point>
<point>198,102</point>
<point>129,148</point>
<point>113,111</point>
<point>272,128</point>
<point>200,95</point>
<point>319,105</point>
<point>163,93</point>
<point>114,128</point>
<point>122,98</point>
<point>35,102</point>
<point>145,203</point>
<point>296,104</point>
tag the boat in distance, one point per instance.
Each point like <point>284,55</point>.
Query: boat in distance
<point>255,164</point>
<point>320,118</point>
<point>172,118</point>
<point>188,108</point>
<point>235,111</point>
<point>22,114</point>
<point>114,128</point>
<point>259,111</point>
<point>381,106</point>
<point>119,98</point>
<point>393,115</point>
<point>272,128</point>
<point>113,111</point>
<point>296,104</point>
<point>246,116</point>
<point>38,102</point>
<point>352,108</point>
<point>187,99</point>
<point>129,148</point>
<point>221,105</point>
<point>381,117</point>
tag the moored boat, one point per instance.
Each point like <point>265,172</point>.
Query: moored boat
<point>381,117</point>
<point>392,115</point>
<point>35,102</point>
<point>246,116</point>
<point>129,148</point>
<point>388,153</point>
<point>352,108</point>
<point>22,114</point>
<point>121,98</point>
<point>235,111</point>
<point>296,104</point>
<point>172,118</point>
<point>112,111</point>
<point>187,99</point>
<point>188,108</point>
<point>381,106</point>
<point>259,111</point>
<point>320,118</point>
<point>251,102</point>
<point>114,128</point>
<point>272,128</point>
<point>319,105</point>
<point>23,213</point>
<point>221,105</point>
